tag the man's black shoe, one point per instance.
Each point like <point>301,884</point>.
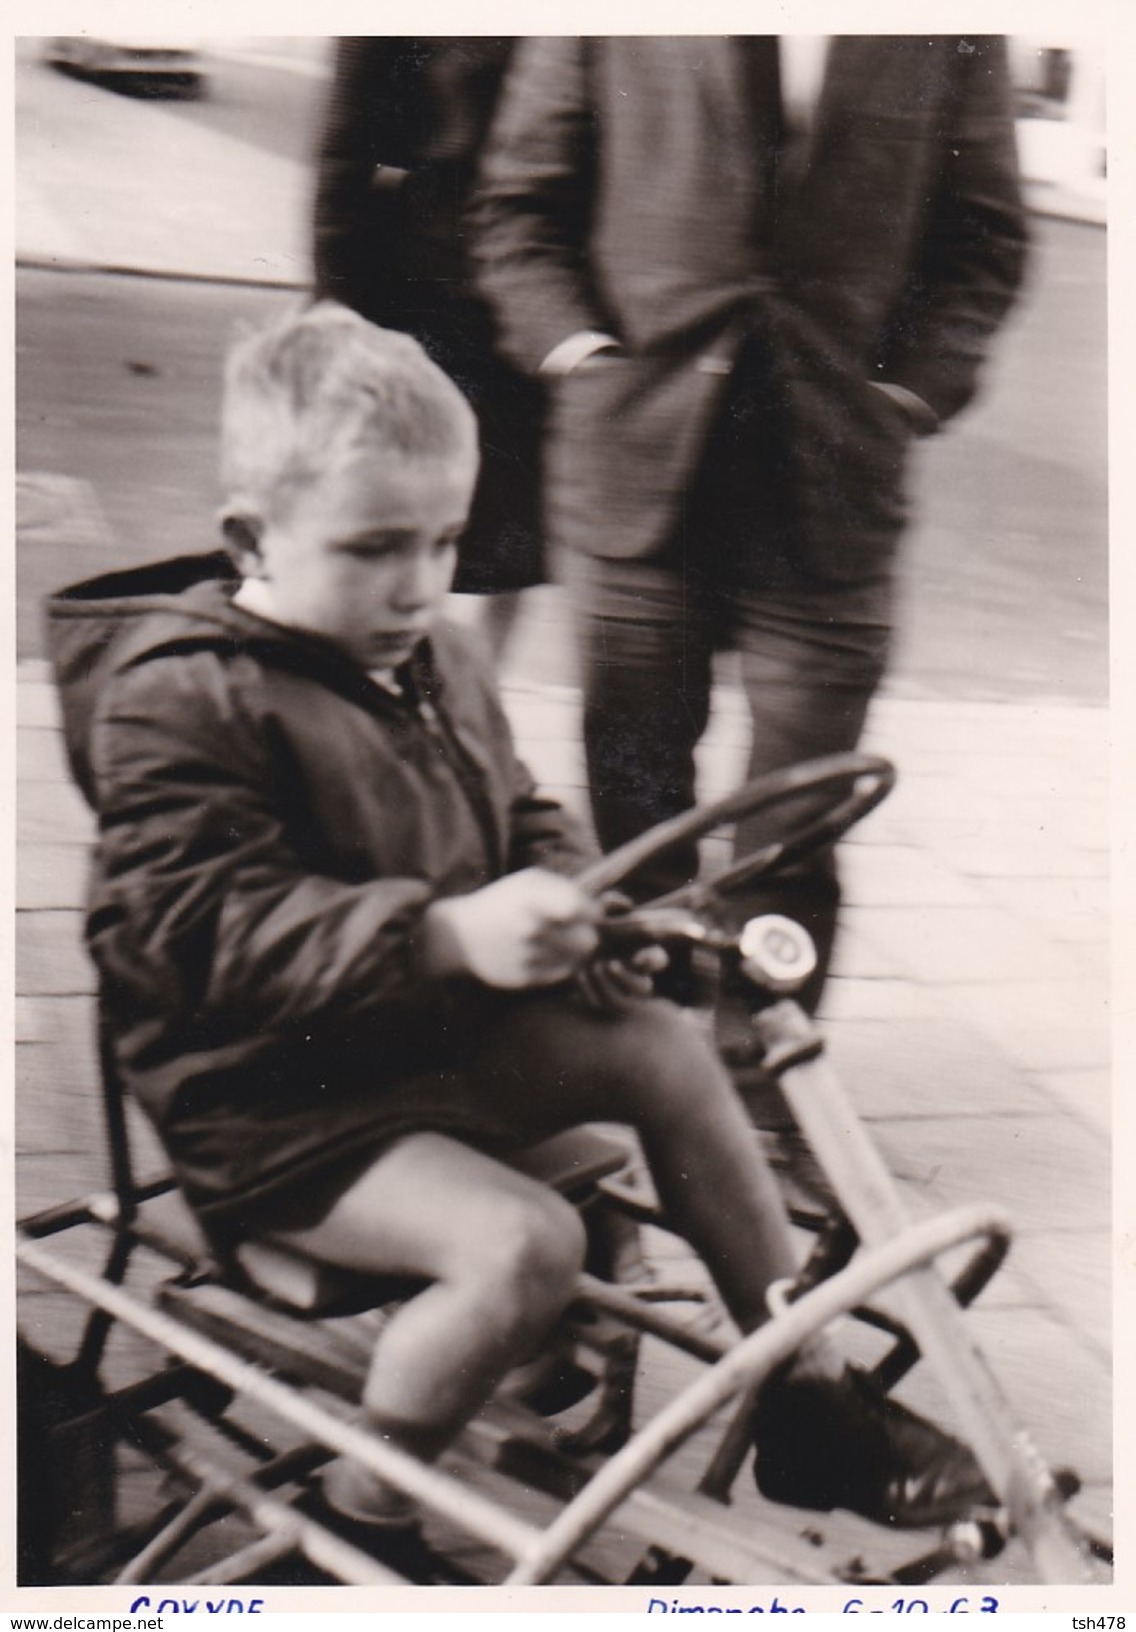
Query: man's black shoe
<point>823,1443</point>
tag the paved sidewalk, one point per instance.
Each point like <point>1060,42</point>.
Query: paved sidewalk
<point>969,1013</point>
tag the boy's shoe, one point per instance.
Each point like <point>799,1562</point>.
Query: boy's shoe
<point>549,1385</point>
<point>370,1515</point>
<point>823,1443</point>
<point>364,1501</point>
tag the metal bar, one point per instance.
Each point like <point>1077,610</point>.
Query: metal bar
<point>731,1452</point>
<point>869,1196</point>
<point>433,1489</point>
<point>67,1215</point>
<point>743,1367</point>
<point>118,1131</point>
<point>209,1501</point>
<point>240,1565</point>
<point>666,1515</point>
<point>94,1341</point>
<point>279,1521</point>
<point>100,1207</point>
<point>613,1300</point>
<point>180,1527</point>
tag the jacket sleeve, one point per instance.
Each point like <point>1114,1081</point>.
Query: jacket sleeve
<point>529,213</point>
<point>543,833</point>
<point>974,242</point>
<point>205,908</point>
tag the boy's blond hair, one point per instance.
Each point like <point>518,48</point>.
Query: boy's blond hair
<point>305,395</point>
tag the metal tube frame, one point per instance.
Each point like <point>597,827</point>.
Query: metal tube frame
<point>537,1554</point>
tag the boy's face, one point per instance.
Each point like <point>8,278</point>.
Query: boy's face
<point>365,556</point>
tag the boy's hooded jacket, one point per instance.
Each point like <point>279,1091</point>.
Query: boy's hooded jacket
<point>272,825</point>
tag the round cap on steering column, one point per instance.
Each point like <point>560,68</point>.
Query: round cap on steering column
<point>777,954</point>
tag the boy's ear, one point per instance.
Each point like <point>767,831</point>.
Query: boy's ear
<point>242,530</point>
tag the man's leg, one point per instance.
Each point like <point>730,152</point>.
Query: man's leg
<point>811,651</point>
<point>810,663</point>
<point>646,649</point>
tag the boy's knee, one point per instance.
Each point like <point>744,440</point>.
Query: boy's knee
<point>552,1244</point>
<point>537,1251</point>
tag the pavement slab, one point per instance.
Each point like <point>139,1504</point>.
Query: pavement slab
<point>1076,1275</point>
<point>896,875</point>
<point>250,224</point>
<point>51,960</point>
<point>1042,1025</point>
<point>1035,1360</point>
<point>53,813</point>
<point>959,943</point>
<point>901,1067</point>
<point>1047,1172</point>
<point>50,875</point>
<point>40,756</point>
<point>1060,910</point>
<point>58,1106</point>
<point>1087,1094</point>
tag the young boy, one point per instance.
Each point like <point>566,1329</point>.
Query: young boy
<point>342,961</point>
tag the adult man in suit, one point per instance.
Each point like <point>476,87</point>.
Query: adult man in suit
<point>753,269</point>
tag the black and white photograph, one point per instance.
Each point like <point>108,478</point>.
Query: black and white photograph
<point>564,895</point>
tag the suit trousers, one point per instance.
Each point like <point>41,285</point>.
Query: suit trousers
<point>810,654</point>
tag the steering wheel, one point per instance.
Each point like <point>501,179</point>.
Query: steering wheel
<point>855,784</point>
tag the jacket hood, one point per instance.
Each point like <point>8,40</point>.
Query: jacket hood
<point>98,629</point>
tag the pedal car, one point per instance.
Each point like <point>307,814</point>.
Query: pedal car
<point>613,1460</point>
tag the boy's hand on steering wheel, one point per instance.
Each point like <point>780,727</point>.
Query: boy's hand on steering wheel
<point>613,983</point>
<point>531,928</point>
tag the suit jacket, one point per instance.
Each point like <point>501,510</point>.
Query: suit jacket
<point>620,191</point>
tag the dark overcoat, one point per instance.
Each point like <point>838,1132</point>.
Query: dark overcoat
<point>405,123</point>
<point>619,191</point>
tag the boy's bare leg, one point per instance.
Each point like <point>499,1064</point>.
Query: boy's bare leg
<point>501,1252</point>
<point>553,1064</point>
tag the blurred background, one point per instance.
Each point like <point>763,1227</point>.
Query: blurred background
<point>163,197</point>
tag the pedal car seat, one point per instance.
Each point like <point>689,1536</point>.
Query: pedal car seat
<point>570,1163</point>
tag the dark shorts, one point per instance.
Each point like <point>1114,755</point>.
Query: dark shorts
<point>306,1159</point>
<point>543,1063</point>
